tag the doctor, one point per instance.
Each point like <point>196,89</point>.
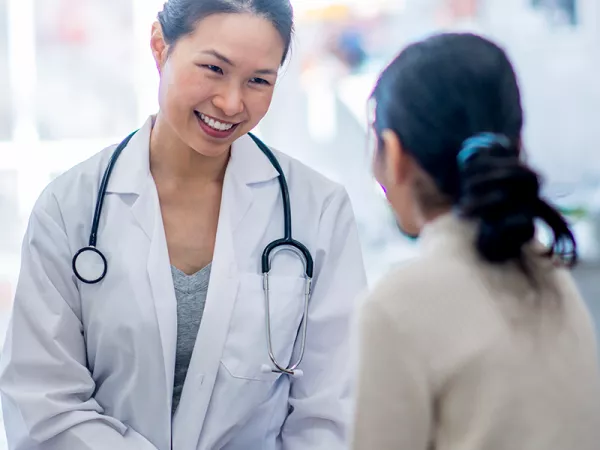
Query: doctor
<point>169,349</point>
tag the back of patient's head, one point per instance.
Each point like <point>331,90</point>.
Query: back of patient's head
<point>453,101</point>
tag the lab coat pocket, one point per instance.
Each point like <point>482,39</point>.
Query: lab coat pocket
<point>246,350</point>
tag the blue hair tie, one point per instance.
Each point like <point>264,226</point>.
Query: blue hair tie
<point>478,142</point>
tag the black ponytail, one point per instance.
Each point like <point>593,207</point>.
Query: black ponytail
<point>503,195</point>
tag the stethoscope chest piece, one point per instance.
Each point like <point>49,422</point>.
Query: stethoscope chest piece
<point>89,265</point>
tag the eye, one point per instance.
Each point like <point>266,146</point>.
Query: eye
<point>260,81</point>
<point>215,69</point>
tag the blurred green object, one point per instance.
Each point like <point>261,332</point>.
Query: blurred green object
<point>574,212</point>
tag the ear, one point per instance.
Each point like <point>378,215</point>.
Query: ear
<point>395,159</point>
<point>159,47</point>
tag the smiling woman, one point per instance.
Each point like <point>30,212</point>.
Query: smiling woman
<point>167,348</point>
<point>218,63</point>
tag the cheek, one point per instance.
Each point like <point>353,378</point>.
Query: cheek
<point>400,200</point>
<point>378,170</point>
<point>181,88</point>
<point>402,210</point>
<point>258,103</point>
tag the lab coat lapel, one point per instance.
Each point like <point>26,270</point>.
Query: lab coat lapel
<point>145,207</point>
<point>161,281</point>
<point>133,181</point>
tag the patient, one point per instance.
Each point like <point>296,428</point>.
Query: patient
<point>483,342</point>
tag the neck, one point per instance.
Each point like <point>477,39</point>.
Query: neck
<point>426,217</point>
<point>172,159</point>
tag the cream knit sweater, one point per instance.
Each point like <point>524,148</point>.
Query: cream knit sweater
<point>457,354</point>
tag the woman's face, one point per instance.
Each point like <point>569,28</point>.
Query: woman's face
<point>217,83</point>
<point>394,170</point>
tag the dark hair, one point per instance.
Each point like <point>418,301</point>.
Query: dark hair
<point>179,17</point>
<point>436,95</point>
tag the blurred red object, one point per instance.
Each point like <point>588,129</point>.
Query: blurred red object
<point>6,295</point>
<point>71,26</point>
<point>463,8</point>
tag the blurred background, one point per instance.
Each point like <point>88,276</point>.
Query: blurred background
<point>77,75</point>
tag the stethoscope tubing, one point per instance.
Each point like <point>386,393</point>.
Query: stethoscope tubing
<point>287,242</point>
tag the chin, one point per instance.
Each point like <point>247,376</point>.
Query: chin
<point>210,147</point>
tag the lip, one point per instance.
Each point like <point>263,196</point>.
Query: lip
<point>218,134</point>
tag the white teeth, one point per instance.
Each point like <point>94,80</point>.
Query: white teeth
<point>215,123</point>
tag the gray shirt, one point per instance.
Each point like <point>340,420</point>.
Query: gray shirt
<point>190,291</point>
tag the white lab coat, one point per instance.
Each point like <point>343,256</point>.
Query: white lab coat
<point>90,367</point>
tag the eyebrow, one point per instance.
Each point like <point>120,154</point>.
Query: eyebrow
<point>227,61</point>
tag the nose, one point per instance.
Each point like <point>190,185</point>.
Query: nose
<point>230,101</point>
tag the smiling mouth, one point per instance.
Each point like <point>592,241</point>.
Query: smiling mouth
<point>215,124</point>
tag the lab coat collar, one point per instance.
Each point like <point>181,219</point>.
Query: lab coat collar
<point>248,165</point>
<point>133,166</point>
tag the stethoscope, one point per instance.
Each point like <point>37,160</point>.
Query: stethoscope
<point>90,265</point>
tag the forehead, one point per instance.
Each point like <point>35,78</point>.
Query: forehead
<point>243,38</point>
